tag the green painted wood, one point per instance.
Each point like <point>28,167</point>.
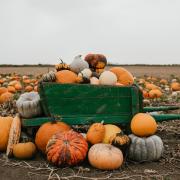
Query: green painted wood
<point>166,117</point>
<point>160,108</point>
<point>85,104</point>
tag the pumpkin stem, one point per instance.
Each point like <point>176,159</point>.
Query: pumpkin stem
<point>61,60</point>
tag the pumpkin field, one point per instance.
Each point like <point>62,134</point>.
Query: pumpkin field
<point>97,151</point>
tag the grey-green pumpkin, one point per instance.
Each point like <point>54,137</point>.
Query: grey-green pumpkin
<point>146,148</point>
<point>28,105</point>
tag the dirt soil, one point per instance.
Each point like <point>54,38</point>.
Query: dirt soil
<point>167,168</point>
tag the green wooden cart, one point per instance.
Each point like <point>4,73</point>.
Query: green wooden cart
<point>78,104</point>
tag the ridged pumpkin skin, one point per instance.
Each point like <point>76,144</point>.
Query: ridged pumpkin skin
<point>105,157</point>
<point>95,133</point>
<point>28,105</point>
<point>67,148</point>
<point>46,131</point>
<point>110,130</point>
<point>5,125</point>
<point>14,135</point>
<point>124,77</point>
<point>24,150</point>
<point>145,149</point>
<point>48,77</point>
<point>143,124</point>
<point>66,76</point>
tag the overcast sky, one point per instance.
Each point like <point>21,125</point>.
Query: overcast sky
<point>126,31</point>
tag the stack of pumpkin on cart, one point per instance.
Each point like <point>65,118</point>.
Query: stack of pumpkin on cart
<point>104,145</point>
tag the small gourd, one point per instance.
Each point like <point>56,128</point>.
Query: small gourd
<point>62,66</point>
<point>14,135</point>
<point>120,140</point>
<point>48,77</point>
<point>95,133</point>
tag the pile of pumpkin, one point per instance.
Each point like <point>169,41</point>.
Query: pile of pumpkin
<point>105,146</point>
<point>13,84</point>
<point>154,88</point>
<point>90,70</point>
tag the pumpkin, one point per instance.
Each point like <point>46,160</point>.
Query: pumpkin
<point>105,157</point>
<point>18,86</point>
<point>95,133</point>
<point>78,64</point>
<point>14,135</point>
<point>94,80</point>
<point>3,90</point>
<point>175,86</point>
<point>28,105</point>
<point>97,62</point>
<point>24,150</point>
<point>46,131</point>
<point>66,148</point>
<point>145,149</point>
<point>110,130</point>
<point>5,125</point>
<point>84,76</point>
<point>48,77</point>
<point>123,76</point>
<point>28,88</point>
<point>120,140</point>
<point>155,93</point>
<point>62,66</point>
<point>66,76</point>
<point>163,81</point>
<point>151,86</point>
<point>7,96</point>
<point>11,89</point>
<point>107,78</point>
<point>143,124</point>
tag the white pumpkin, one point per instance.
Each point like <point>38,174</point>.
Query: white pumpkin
<point>28,105</point>
<point>86,73</point>
<point>145,149</point>
<point>78,64</point>
<point>108,78</point>
<point>94,80</point>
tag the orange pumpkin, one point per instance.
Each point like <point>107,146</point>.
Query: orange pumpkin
<point>5,97</point>
<point>5,125</point>
<point>66,76</point>
<point>3,90</point>
<point>28,88</point>
<point>95,133</point>
<point>163,81</point>
<point>143,124</point>
<point>155,93</point>
<point>18,86</point>
<point>151,86</point>
<point>124,77</point>
<point>66,148</point>
<point>175,86</point>
<point>46,131</point>
<point>11,89</point>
